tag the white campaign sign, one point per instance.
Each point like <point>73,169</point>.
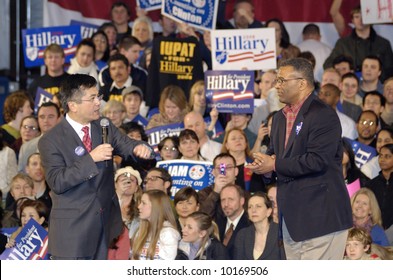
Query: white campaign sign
<point>377,11</point>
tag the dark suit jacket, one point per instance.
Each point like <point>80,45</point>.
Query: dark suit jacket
<point>311,193</point>
<point>245,241</point>
<point>84,200</point>
<point>351,110</point>
<point>222,222</point>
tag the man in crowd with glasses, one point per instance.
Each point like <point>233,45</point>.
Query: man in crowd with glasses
<point>78,162</point>
<point>158,178</point>
<point>306,153</point>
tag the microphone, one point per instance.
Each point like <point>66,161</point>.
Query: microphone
<point>104,128</point>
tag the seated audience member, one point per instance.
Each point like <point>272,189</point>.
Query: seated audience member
<point>208,148</point>
<point>343,64</point>
<point>169,148</point>
<point>371,72</point>
<point>186,202</point>
<point>29,129</point>
<point>375,102</point>
<point>367,215</point>
<point>259,241</point>
<point>235,143</point>
<point>21,186</point>
<point>224,172</point>
<point>134,131</point>
<point>115,111</point>
<point>352,174</point>
<point>367,126</point>
<point>330,94</point>
<point>358,246</point>
<point>158,179</point>
<point>132,100</point>
<point>83,62</point>
<point>157,237</point>
<point>30,209</point>
<point>201,239</point>
<point>54,59</point>
<point>189,145</point>
<point>371,168</point>
<point>172,107</point>
<point>111,32</point>
<point>387,114</point>
<point>284,48</point>
<point>263,84</point>
<point>17,105</point>
<point>350,89</point>
<point>382,185</point>
<point>8,166</point>
<point>101,43</point>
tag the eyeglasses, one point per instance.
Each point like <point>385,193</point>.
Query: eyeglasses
<point>93,98</point>
<point>365,122</point>
<point>169,149</point>
<point>29,127</point>
<point>279,81</point>
<point>153,179</point>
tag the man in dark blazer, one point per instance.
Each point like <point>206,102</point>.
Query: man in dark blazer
<point>306,152</point>
<point>85,214</point>
<point>232,199</point>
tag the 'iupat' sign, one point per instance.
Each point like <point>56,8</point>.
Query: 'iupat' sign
<point>244,49</point>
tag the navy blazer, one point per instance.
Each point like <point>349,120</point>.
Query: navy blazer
<point>83,195</point>
<point>311,193</point>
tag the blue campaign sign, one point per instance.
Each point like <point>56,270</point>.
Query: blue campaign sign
<point>201,14</point>
<point>42,96</point>
<point>230,91</point>
<point>149,5</point>
<point>158,133</point>
<point>188,173</point>
<point>87,29</point>
<point>31,243</point>
<point>363,153</point>
<point>36,40</point>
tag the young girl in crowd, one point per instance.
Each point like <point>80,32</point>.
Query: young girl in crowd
<point>169,148</point>
<point>157,237</point>
<point>186,202</point>
<point>83,62</point>
<point>201,239</point>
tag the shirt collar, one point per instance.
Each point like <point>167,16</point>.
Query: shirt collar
<point>294,108</point>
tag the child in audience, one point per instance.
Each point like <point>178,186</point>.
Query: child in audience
<point>358,246</point>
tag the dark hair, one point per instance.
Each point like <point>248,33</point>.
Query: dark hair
<point>388,146</point>
<point>285,40</point>
<point>188,134</point>
<point>185,194</point>
<point>40,207</point>
<point>311,28</point>
<point>302,66</point>
<point>87,42</point>
<point>382,98</point>
<point>120,4</point>
<point>243,1</point>
<point>267,201</point>
<point>371,112</point>
<point>134,126</point>
<point>173,138</point>
<point>165,176</point>
<point>344,58</point>
<point>73,86</point>
<point>2,142</point>
<point>387,129</point>
<point>374,57</point>
<point>118,57</point>
<point>13,103</point>
<point>332,88</point>
<point>223,155</point>
<point>309,56</point>
<point>350,75</point>
<point>107,49</point>
<point>127,42</point>
<point>49,104</point>
<point>105,25</point>
<point>347,148</point>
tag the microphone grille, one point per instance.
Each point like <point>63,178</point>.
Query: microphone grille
<point>104,122</point>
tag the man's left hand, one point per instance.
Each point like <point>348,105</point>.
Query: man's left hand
<point>262,163</point>
<point>143,151</point>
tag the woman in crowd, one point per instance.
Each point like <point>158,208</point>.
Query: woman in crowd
<point>29,129</point>
<point>189,145</point>
<point>186,202</point>
<point>111,33</point>
<point>172,107</point>
<point>83,62</point>
<point>201,239</point>
<point>17,105</point>
<point>169,148</point>
<point>236,144</point>
<point>260,240</point>
<point>367,215</point>
<point>157,237</point>
<point>197,99</point>
<point>8,166</point>
<point>101,43</point>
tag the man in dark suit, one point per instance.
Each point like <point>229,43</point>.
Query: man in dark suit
<point>232,199</point>
<point>306,152</point>
<point>85,214</point>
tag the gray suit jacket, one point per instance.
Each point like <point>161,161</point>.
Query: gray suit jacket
<point>26,150</point>
<point>85,204</point>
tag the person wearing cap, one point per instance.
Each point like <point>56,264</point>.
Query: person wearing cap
<point>132,100</point>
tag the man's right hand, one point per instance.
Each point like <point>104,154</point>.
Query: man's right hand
<point>102,152</point>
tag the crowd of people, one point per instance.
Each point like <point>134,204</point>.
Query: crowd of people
<point>283,175</point>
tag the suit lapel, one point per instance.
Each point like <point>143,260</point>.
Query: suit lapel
<point>69,132</point>
<point>96,137</point>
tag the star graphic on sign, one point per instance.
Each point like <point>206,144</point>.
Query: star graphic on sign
<point>367,11</point>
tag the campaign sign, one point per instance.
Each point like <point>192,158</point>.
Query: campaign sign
<point>42,96</point>
<point>158,133</point>
<point>36,40</point>
<point>188,173</point>
<point>31,243</point>
<point>200,14</point>
<point>239,49</point>
<point>87,29</point>
<point>230,91</point>
<point>149,5</point>
<point>363,153</point>
<point>377,11</point>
